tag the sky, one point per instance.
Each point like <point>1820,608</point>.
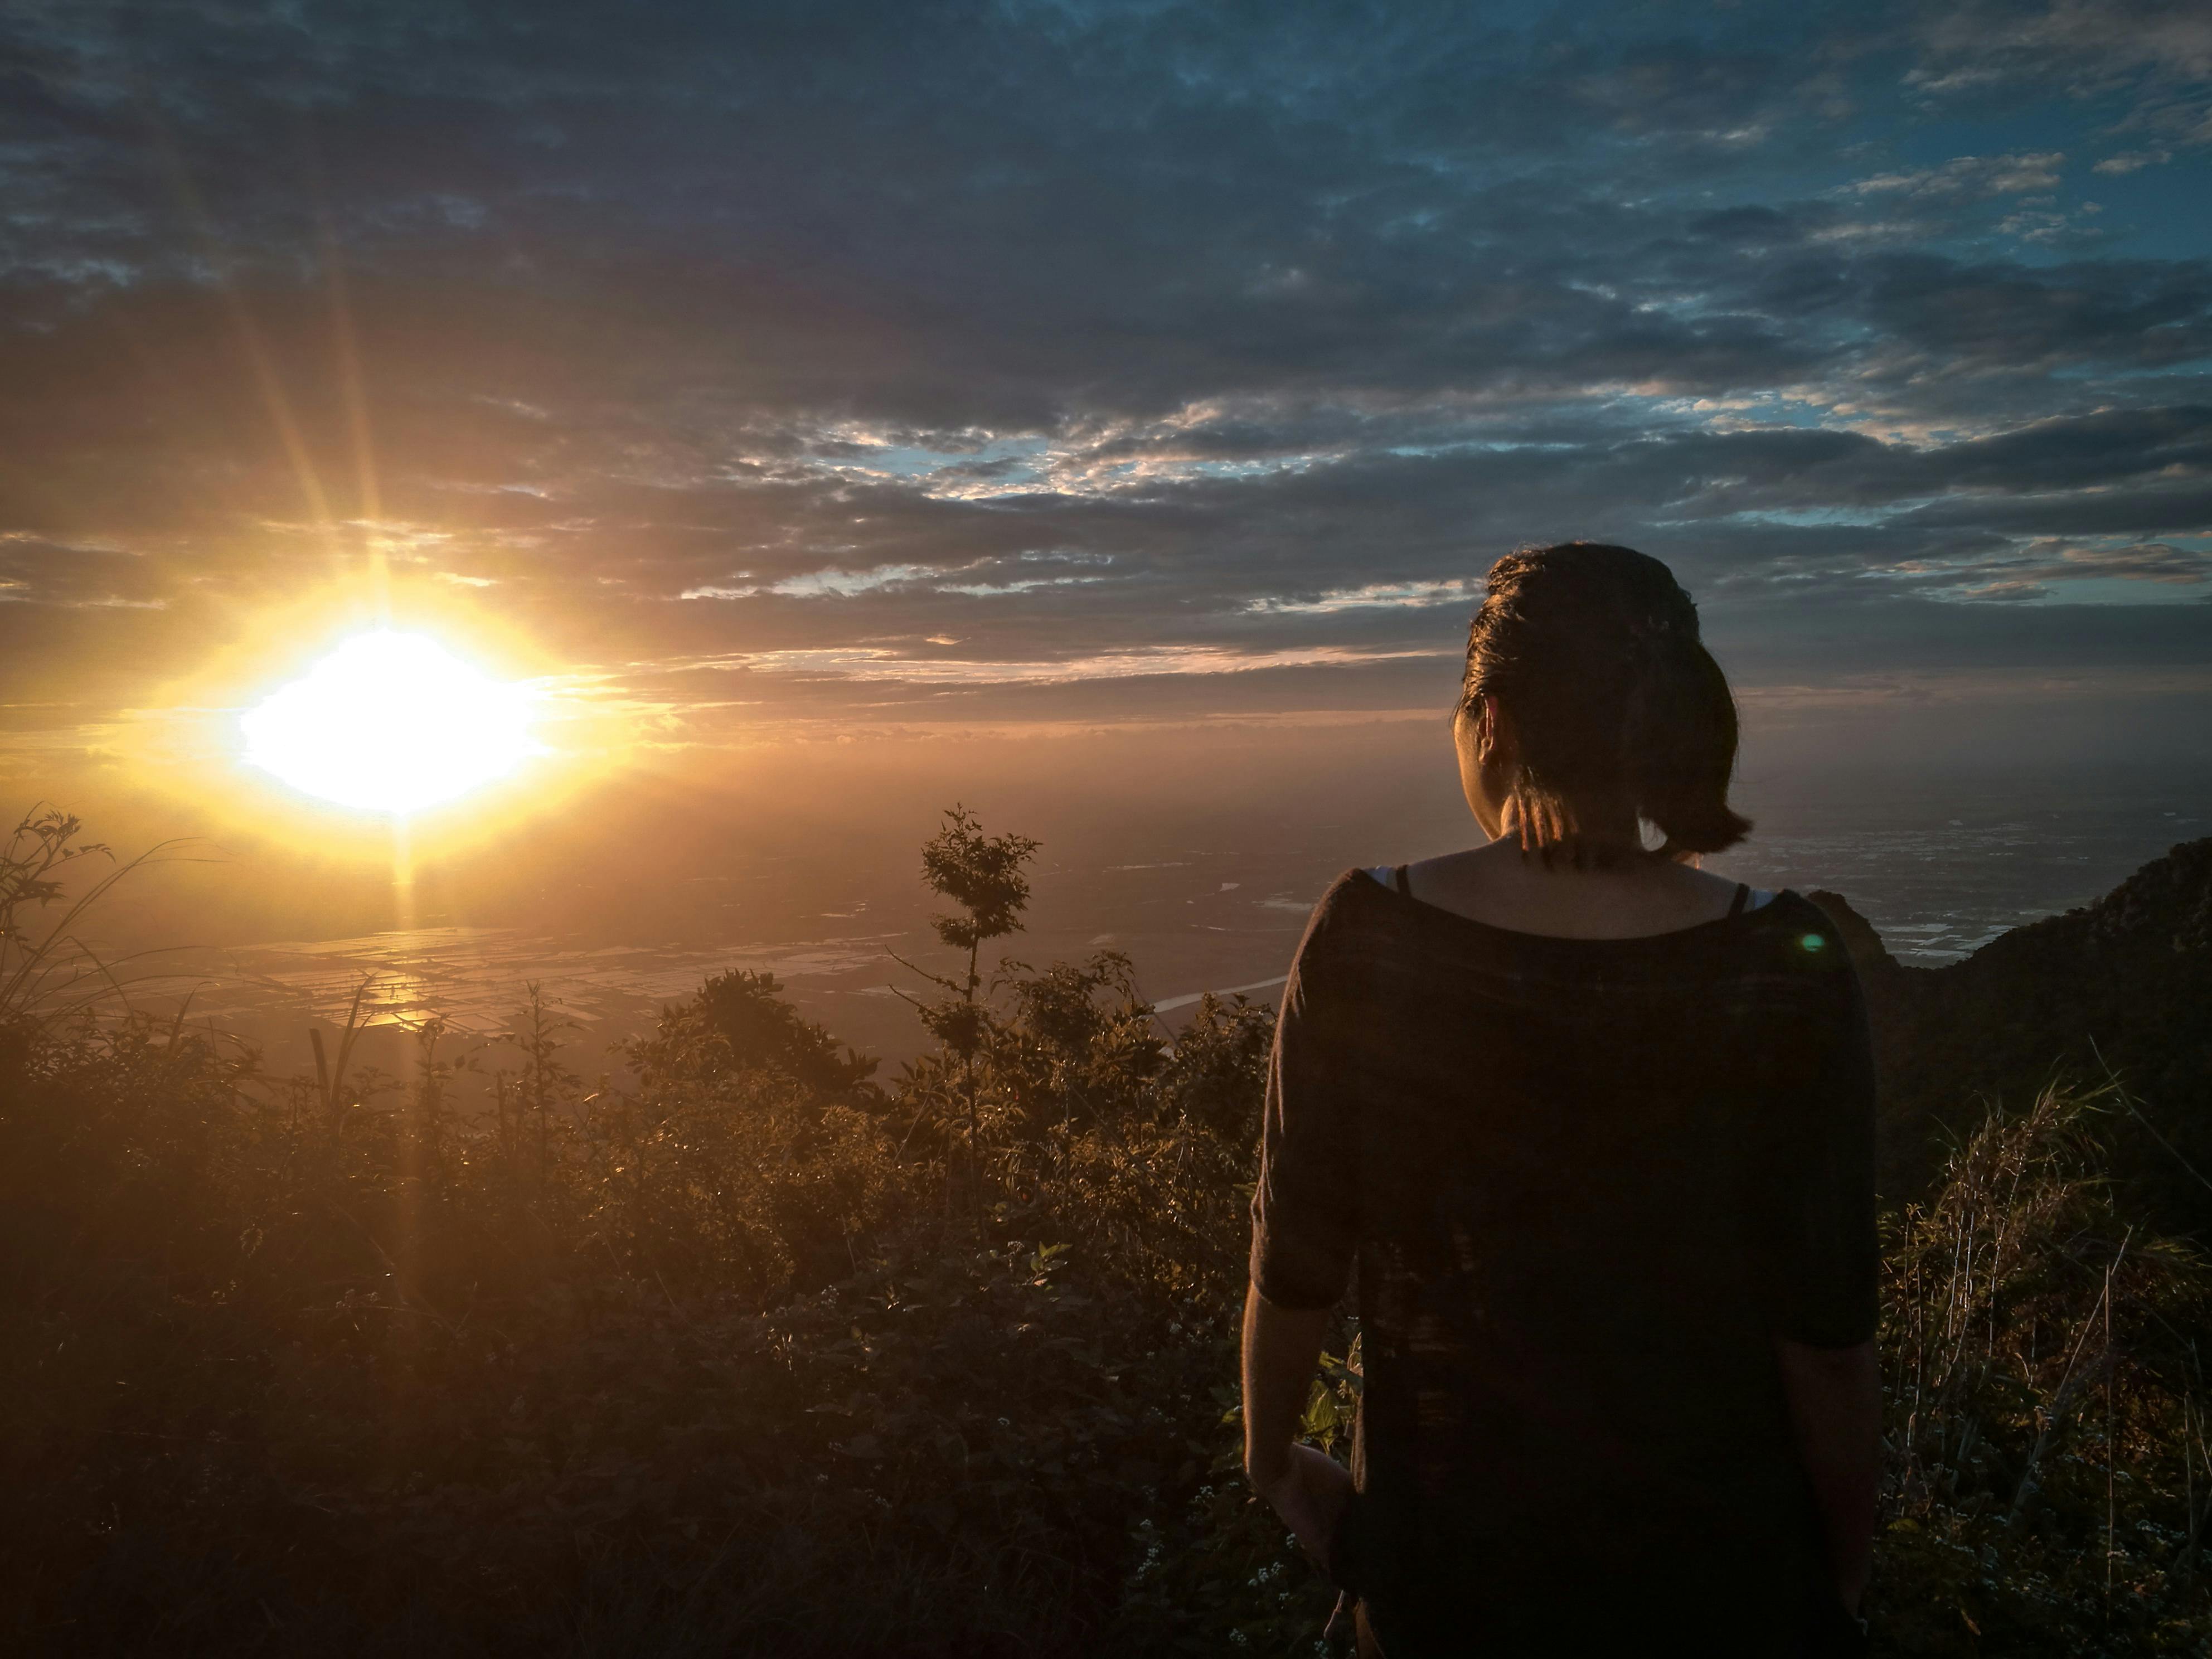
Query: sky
<point>759,376</point>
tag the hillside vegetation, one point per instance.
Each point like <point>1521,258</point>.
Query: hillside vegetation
<point>769,1354</point>
<point>2117,988</point>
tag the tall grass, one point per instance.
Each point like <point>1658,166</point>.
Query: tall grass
<point>48,970</point>
<point>2048,1485</point>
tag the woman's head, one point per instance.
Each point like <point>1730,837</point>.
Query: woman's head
<point>1594,707</point>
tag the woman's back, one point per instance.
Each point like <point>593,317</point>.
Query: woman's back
<point>1585,1181</point>
<point>1598,1135</point>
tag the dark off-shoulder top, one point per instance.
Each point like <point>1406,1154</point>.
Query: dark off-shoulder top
<point>1582,1184</point>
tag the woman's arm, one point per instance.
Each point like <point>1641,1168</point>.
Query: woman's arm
<point>1835,1409</point>
<point>1308,1488</point>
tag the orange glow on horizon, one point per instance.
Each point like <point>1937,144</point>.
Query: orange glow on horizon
<point>317,726</point>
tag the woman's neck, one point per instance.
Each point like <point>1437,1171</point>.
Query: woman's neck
<point>1563,836</point>
<point>1499,884</point>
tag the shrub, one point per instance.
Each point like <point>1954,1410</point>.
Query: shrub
<point>755,1355</point>
<point>2047,1488</point>
<point>695,1364</point>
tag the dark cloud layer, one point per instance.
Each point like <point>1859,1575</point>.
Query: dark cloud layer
<point>925,357</point>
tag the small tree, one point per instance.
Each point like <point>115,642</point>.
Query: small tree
<point>543,1086</point>
<point>431,1120</point>
<point>739,1023</point>
<point>984,876</point>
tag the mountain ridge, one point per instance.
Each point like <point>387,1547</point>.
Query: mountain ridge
<point>2120,988</point>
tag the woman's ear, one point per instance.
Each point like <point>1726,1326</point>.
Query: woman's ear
<point>1493,732</point>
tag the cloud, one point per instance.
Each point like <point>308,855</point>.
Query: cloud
<point>817,584</point>
<point>1459,590</point>
<point>2078,43</point>
<point>2029,570</point>
<point>2132,160</point>
<point>1163,344</point>
<point>2152,59</point>
<point>1969,177</point>
<point>882,664</point>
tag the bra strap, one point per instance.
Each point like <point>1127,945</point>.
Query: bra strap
<point>1742,898</point>
<point>1398,875</point>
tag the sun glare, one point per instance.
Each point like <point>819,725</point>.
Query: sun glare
<point>390,722</point>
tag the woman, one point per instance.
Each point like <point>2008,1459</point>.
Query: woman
<point>1596,1128</point>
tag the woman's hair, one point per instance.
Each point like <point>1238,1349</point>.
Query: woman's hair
<point>1615,702</point>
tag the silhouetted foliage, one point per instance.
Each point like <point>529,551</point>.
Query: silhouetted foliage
<point>1208,1075</point>
<point>2115,990</point>
<point>47,971</point>
<point>986,877</point>
<point>702,1364</point>
<point>739,1023</point>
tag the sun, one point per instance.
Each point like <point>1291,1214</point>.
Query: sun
<point>390,722</point>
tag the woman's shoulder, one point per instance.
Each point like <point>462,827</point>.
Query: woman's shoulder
<point>1786,908</point>
<point>1792,935</point>
<point>1350,892</point>
<point>1363,901</point>
<point>1346,907</point>
<point>1349,934</point>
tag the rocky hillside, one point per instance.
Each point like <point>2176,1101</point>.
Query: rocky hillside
<point>2121,987</point>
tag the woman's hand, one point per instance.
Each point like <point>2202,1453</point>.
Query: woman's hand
<point>1310,1491</point>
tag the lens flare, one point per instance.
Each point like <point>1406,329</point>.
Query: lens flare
<point>390,722</point>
